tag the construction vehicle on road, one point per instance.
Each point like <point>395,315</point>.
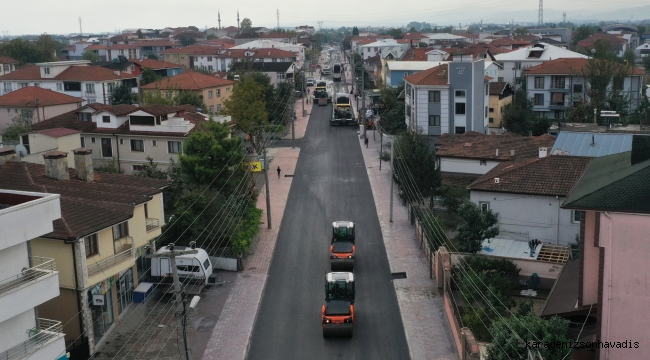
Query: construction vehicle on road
<point>342,248</point>
<point>338,312</point>
<point>342,111</point>
<point>321,95</point>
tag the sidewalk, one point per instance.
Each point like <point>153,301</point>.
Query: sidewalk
<point>421,305</point>
<point>301,120</point>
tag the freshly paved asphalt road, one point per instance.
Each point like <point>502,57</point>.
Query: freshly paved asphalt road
<point>330,184</point>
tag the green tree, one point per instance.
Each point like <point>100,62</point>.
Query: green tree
<point>49,46</point>
<point>355,31</point>
<point>476,225</point>
<point>123,95</point>
<point>394,32</point>
<point>152,56</point>
<point>186,39</point>
<point>412,29</point>
<point>604,80</point>
<point>19,125</point>
<point>646,63</point>
<point>414,160</point>
<point>641,30</point>
<point>25,52</point>
<point>149,76</point>
<point>189,98</point>
<point>139,33</point>
<point>582,32</point>
<point>453,197</point>
<point>246,26</point>
<point>422,44</point>
<point>393,121</point>
<point>211,154</point>
<point>247,107</point>
<point>629,56</point>
<point>602,49</point>
<point>151,170</point>
<point>529,328</point>
<point>519,117</point>
<point>90,56</point>
<point>520,31</point>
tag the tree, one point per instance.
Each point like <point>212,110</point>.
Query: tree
<point>355,31</point>
<point>412,29</point>
<point>476,225</point>
<point>247,107</point>
<point>394,32</point>
<point>519,117</point>
<point>646,63</point>
<point>604,80</point>
<point>602,49</point>
<point>19,125</point>
<point>211,154</point>
<point>152,56</point>
<point>150,170</point>
<point>531,329</point>
<point>422,44</point>
<point>347,43</point>
<point>25,52</point>
<point>149,76</point>
<point>123,95</point>
<point>90,56</point>
<point>582,32</point>
<point>189,98</point>
<point>520,31</point>
<point>48,45</point>
<point>246,26</point>
<point>393,121</point>
<point>629,56</point>
<point>139,33</point>
<point>186,39</point>
<point>415,171</point>
<point>641,30</point>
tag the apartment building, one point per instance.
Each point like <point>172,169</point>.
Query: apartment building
<point>35,103</point>
<point>28,280</point>
<point>7,65</point>
<point>451,98</point>
<point>94,84</point>
<point>222,60</point>
<point>97,241</point>
<point>500,95</point>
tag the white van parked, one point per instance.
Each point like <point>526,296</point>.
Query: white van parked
<point>191,268</point>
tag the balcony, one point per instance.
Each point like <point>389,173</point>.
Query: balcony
<point>46,340</point>
<point>152,224</point>
<point>29,288</point>
<point>558,105</point>
<point>123,252</point>
<point>560,85</point>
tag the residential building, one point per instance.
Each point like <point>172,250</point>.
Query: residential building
<point>516,61</point>
<point>230,31</point>
<point>221,60</point>
<point>306,28</point>
<point>574,143</point>
<point>35,103</point>
<point>298,50</point>
<point>562,35</point>
<point>100,254</point>
<point>183,55</point>
<point>286,38</point>
<point>75,78</point>
<point>441,40</point>
<point>374,48</point>
<point>391,53</point>
<point>617,43</point>
<point>43,141</point>
<point>500,96</point>
<point>528,194</point>
<point>127,134</point>
<point>451,98</point>
<point>557,84</point>
<point>29,280</point>
<point>474,153</point>
<point>214,91</point>
<point>161,68</point>
<point>509,44</point>
<point>7,65</point>
<point>156,47</point>
<point>613,198</point>
<point>396,71</point>
<point>642,51</point>
<point>278,72</point>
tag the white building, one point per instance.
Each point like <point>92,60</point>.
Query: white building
<point>75,78</point>
<point>28,281</point>
<point>220,60</point>
<point>516,61</point>
<point>374,48</point>
<point>297,49</point>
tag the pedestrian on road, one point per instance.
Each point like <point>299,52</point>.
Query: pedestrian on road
<point>279,172</point>
<point>365,141</point>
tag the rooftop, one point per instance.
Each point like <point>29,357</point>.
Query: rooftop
<point>264,66</point>
<point>473,145</point>
<point>189,80</point>
<point>7,60</point>
<point>413,65</point>
<point>543,52</point>
<point>591,144</point>
<point>72,73</point>
<point>568,67</point>
<point>31,96</point>
<point>156,64</point>
<point>434,76</point>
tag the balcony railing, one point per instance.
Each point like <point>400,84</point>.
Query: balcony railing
<point>47,330</point>
<point>123,251</point>
<point>152,224</point>
<point>42,267</point>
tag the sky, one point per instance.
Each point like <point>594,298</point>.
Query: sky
<point>62,17</point>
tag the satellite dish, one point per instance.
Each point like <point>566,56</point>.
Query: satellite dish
<point>22,151</point>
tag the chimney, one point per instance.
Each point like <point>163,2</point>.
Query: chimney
<point>497,153</point>
<point>543,152</point>
<point>83,163</point>
<point>512,153</point>
<point>56,165</point>
<point>7,153</point>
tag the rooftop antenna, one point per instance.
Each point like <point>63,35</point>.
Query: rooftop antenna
<point>237,18</point>
<point>219,18</point>
<point>564,17</point>
<point>540,20</point>
<point>80,30</point>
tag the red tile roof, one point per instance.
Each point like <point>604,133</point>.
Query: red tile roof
<point>156,64</point>
<point>496,88</point>
<point>189,81</point>
<point>473,145</point>
<point>435,76</point>
<point>57,132</point>
<point>27,96</point>
<point>7,60</point>
<point>567,66</point>
<point>417,54</point>
<point>72,73</point>
<point>118,110</point>
<point>553,175</point>
<point>261,53</point>
<point>611,38</point>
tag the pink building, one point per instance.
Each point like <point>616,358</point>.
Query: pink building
<point>614,272</point>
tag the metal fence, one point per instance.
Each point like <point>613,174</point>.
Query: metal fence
<point>43,267</point>
<point>45,331</point>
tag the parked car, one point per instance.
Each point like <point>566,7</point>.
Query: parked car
<point>310,81</point>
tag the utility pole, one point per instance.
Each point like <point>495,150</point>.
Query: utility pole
<point>392,145</point>
<point>266,180</point>
<point>80,30</point>
<point>363,99</point>
<point>302,87</point>
<point>293,113</point>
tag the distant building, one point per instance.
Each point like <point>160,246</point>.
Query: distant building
<point>500,96</point>
<point>35,103</point>
<point>515,62</point>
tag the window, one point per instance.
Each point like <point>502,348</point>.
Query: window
<point>83,142</point>
<point>558,82</point>
<point>211,109</point>
<point>459,130</point>
<point>90,88</point>
<point>107,147</point>
<point>137,145</point>
<point>218,108</point>
<point>106,119</point>
<point>6,68</point>
<point>482,162</point>
<point>136,168</point>
<point>218,92</point>
<point>92,140</point>
<point>121,141</point>
<point>27,113</point>
<point>120,230</point>
<point>142,120</point>
<point>491,120</point>
<point>227,89</point>
<point>280,75</point>
<point>491,110</point>
<point>539,82</point>
<point>539,99</point>
<point>210,68</point>
<point>22,85</point>
<point>25,142</point>
<point>487,91</point>
<point>617,83</point>
<point>71,86</point>
<point>92,245</point>
<point>7,87</point>
<point>154,143</point>
<point>91,101</point>
<point>500,79</point>
<point>434,96</point>
<point>209,58</point>
<point>210,94</point>
<point>460,108</point>
<point>575,216</point>
<point>59,86</point>
<point>484,205</point>
<point>46,71</point>
<point>460,93</point>
<point>206,264</point>
<point>486,111</point>
<point>174,147</point>
<point>434,120</point>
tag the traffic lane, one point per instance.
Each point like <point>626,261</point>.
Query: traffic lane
<point>328,186</point>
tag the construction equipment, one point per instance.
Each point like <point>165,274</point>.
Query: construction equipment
<point>338,311</point>
<point>320,93</point>
<point>342,248</point>
<point>342,111</point>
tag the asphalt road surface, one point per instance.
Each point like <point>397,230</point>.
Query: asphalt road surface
<point>330,184</point>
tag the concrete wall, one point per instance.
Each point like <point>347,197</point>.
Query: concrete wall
<point>62,255</point>
<point>63,308</point>
<point>14,330</point>
<point>625,283</point>
<point>590,262</point>
<point>466,166</point>
<point>497,106</point>
<point>159,152</point>
<point>12,260</point>
<point>518,222</point>
<point>39,144</point>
